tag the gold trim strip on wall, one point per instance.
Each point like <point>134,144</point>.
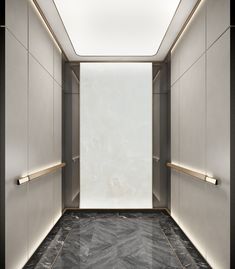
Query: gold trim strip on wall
<point>40,173</point>
<point>192,173</point>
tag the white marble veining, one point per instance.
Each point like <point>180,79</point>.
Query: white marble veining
<point>116,135</point>
<point>116,239</point>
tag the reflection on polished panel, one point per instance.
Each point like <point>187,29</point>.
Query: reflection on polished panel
<point>116,239</point>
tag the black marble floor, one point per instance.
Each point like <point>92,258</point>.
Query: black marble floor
<point>120,239</point>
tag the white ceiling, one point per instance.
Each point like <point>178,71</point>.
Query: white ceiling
<point>116,27</point>
<point>116,30</point>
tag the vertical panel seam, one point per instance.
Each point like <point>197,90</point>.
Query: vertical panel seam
<point>2,135</point>
<point>152,138</point>
<point>179,142</point>
<point>53,135</point>
<point>205,132</point>
<point>232,115</point>
<point>27,192</point>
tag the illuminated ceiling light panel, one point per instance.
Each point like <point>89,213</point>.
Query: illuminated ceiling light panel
<point>116,27</point>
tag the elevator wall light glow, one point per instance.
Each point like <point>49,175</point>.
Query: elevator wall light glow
<point>45,25</point>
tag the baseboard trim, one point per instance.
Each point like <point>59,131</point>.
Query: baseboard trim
<point>147,210</point>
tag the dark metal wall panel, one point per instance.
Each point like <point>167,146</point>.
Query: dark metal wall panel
<point>156,145</point>
<point>232,12</point>
<point>164,147</point>
<point>2,136</point>
<point>168,153</point>
<point>2,12</point>
<point>70,152</point>
<point>67,149</point>
<point>161,136</point>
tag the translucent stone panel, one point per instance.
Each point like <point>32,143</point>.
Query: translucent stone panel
<point>116,135</point>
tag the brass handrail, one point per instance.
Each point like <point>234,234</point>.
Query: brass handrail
<point>40,173</point>
<point>192,173</point>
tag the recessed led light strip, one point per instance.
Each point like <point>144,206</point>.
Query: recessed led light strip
<point>186,24</point>
<point>47,26</point>
<point>192,173</point>
<point>39,173</point>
